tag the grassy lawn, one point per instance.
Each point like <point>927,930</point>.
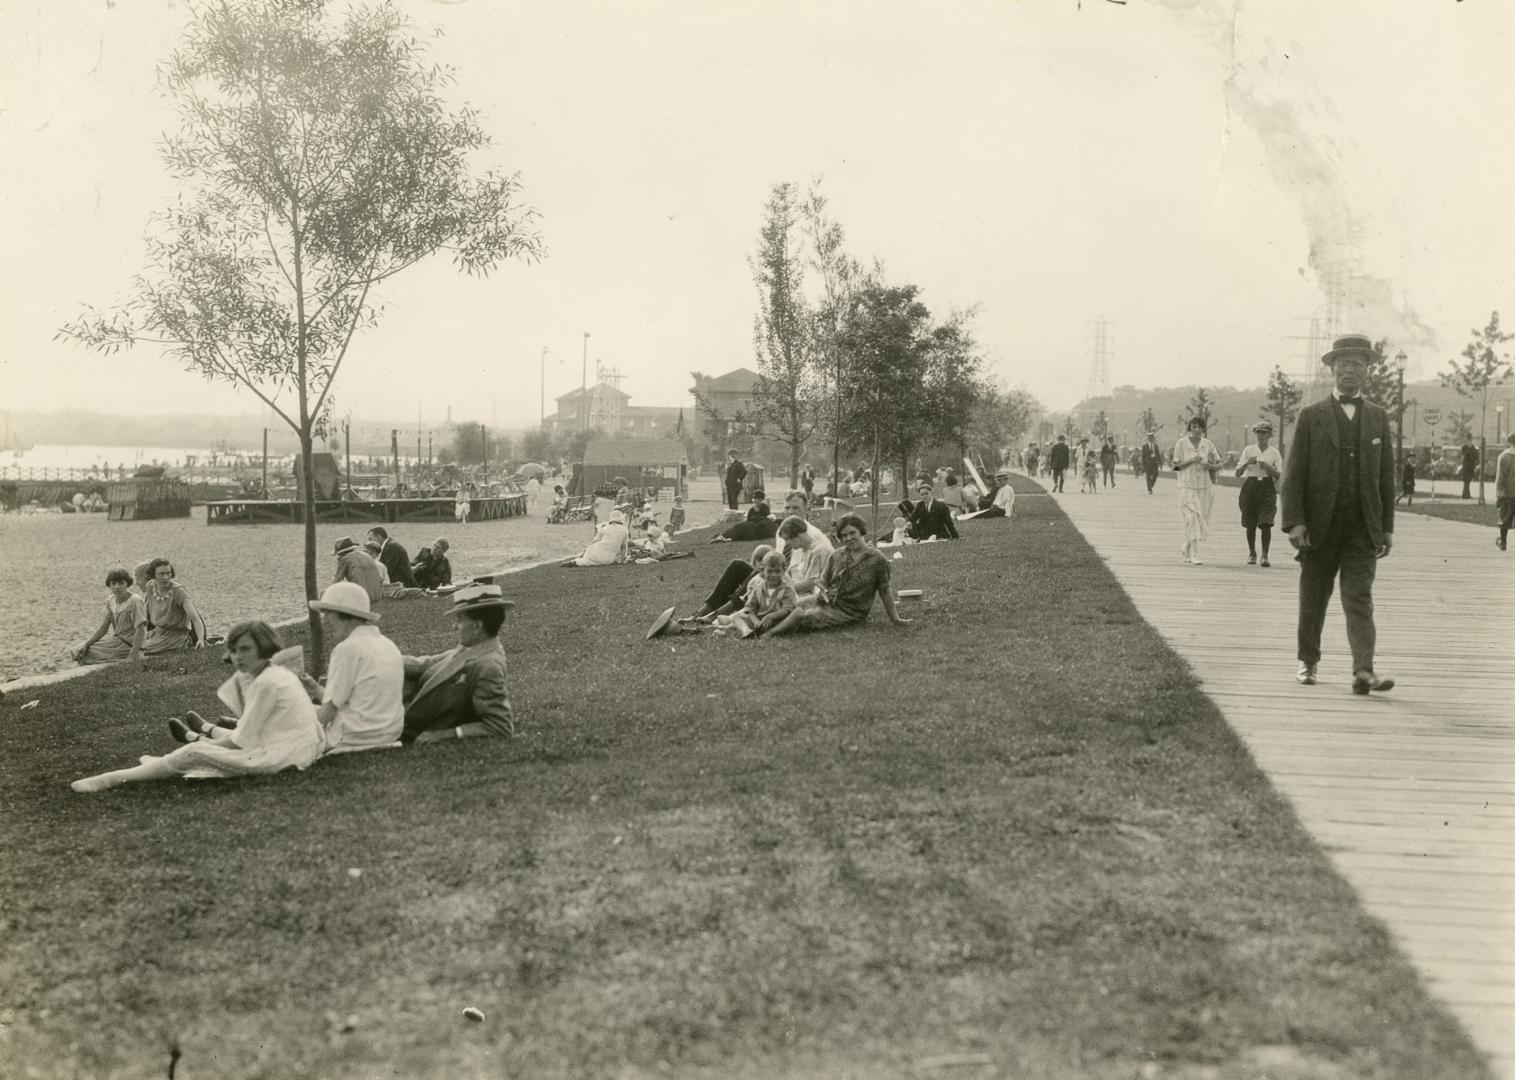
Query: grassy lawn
<point>1456,510</point>
<point>1011,840</point>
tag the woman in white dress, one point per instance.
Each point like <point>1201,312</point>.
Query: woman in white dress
<point>1196,461</point>
<point>275,728</point>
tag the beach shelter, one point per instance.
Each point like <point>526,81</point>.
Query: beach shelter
<point>644,463</point>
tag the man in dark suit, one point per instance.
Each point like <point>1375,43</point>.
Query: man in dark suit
<point>931,517</point>
<point>1338,508</point>
<point>1058,459</point>
<point>1152,460</point>
<point>394,557</point>
<point>461,693</point>
<point>1468,466</point>
<point>736,472</point>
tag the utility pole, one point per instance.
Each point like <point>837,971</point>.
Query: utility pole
<point>347,452</point>
<point>584,386</point>
<point>542,405</point>
<point>265,463</point>
<point>394,448</point>
<point>484,447</point>
<point>428,450</point>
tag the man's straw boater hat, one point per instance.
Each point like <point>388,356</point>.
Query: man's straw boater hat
<point>473,598</point>
<point>1349,345</point>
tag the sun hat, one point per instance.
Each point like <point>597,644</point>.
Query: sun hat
<point>1348,345</point>
<point>1263,425</point>
<point>473,598</point>
<point>616,518</point>
<point>344,545</point>
<point>346,598</point>
<point>1002,472</point>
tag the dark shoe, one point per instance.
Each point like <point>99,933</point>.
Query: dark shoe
<point>1499,540</point>
<point>1252,560</point>
<point>195,722</point>
<point>1265,562</point>
<point>180,731</point>
<point>1306,674</point>
<point>1365,681</point>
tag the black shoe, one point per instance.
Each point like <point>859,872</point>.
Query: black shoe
<point>180,731</point>
<point>1365,681</point>
<point>1306,674</point>
<point>195,722</point>
<point>1252,560</point>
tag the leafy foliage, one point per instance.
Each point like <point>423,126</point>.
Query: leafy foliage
<point>1148,422</point>
<point>1483,367</point>
<point>1201,405</point>
<point>1283,398</point>
<point>318,159</point>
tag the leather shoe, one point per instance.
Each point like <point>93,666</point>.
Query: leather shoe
<point>1365,681</point>
<point>195,722</point>
<point>1306,675</point>
<point>180,731</point>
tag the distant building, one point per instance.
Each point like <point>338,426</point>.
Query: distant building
<point>609,410</point>
<point>727,416</point>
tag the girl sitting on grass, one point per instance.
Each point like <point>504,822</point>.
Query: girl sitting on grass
<point>276,723</point>
<point>123,629</point>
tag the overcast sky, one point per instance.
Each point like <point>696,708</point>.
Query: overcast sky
<point>1164,165</point>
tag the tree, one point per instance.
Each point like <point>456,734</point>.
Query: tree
<point>1001,417</point>
<point>1284,396</point>
<point>1460,425</point>
<point>1148,422</point>
<point>954,383</point>
<point>1101,425</point>
<point>536,445</point>
<point>887,338</point>
<point>1201,405</point>
<point>1482,369</point>
<point>841,278</point>
<point>319,160</point>
<point>788,387</point>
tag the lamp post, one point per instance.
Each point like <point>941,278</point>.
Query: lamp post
<point>1400,360</point>
<point>542,407</point>
<point>1499,424</point>
<point>584,386</point>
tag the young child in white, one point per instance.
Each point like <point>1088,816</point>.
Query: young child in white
<point>770,597</point>
<point>1090,482</point>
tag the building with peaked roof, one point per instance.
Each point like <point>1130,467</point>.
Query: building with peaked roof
<point>727,415</point>
<point>642,462</point>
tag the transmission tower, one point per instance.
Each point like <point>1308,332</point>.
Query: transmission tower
<point>605,405</point>
<point>1100,340</point>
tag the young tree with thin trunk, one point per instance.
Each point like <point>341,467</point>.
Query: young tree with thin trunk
<point>1201,405</point>
<point>788,387</point>
<point>318,159</point>
<point>1283,398</point>
<point>1482,368</point>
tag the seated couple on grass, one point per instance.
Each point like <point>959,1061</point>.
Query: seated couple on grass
<point>840,592</point>
<point>373,695</point>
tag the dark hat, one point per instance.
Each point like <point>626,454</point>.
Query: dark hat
<point>473,598</point>
<point>1062,438</point>
<point>1349,345</point>
<point>344,545</point>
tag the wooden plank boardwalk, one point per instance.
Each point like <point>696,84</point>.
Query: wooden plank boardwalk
<point>1412,793</point>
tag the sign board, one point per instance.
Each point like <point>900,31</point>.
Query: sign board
<point>1431,415</point>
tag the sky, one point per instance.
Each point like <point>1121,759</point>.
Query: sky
<point>1183,170</point>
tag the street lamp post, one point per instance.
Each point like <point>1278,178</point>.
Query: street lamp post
<point>1400,360</point>
<point>1499,424</point>
<point>584,386</point>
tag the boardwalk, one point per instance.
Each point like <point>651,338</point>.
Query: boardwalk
<point>1412,794</point>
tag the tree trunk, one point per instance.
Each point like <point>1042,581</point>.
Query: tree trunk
<point>873,485</point>
<point>315,661</point>
<point>794,448</point>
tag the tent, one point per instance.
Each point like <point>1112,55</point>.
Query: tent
<point>644,463</point>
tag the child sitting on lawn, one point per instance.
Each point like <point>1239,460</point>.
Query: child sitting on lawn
<point>770,597</point>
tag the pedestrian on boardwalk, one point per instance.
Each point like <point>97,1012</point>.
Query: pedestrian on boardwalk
<point>1057,460</point>
<point>1262,465</point>
<point>1152,460</point>
<point>1196,461</point>
<point>1504,489</point>
<point>1469,466</point>
<point>1339,510</point>
<point>1407,483</point>
<point>1108,457</point>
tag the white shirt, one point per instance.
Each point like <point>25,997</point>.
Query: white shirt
<point>1004,498</point>
<point>1251,455</point>
<point>810,563</point>
<point>1350,410</point>
<point>367,685</point>
<point>815,534</point>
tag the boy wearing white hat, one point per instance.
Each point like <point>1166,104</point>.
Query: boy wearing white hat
<point>362,702</point>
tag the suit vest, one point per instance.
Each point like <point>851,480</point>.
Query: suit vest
<point>1347,518</point>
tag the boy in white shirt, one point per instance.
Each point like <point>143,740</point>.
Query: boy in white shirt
<point>1263,466</point>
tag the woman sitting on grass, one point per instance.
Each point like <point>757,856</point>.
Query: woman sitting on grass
<point>123,629</point>
<point>275,724</point>
<point>173,624</point>
<point>854,574</point>
<point>608,545</point>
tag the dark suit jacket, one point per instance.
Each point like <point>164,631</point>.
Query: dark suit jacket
<point>1312,476</point>
<point>1058,457</point>
<point>460,686</point>
<point>933,520</point>
<point>397,561</point>
<point>736,472</point>
<point>1152,458</point>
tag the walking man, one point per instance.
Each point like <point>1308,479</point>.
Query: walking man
<point>1504,489</point>
<point>1338,496</point>
<point>736,472</point>
<point>1058,459</point>
<point>1152,460</point>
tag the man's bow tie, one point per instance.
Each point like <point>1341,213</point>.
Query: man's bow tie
<point>1357,401</point>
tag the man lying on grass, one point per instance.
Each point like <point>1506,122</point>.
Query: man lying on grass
<point>853,575</point>
<point>460,694</point>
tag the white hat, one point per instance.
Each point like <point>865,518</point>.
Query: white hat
<point>346,598</point>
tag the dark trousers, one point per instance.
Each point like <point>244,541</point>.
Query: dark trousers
<point>1151,480</point>
<point>1353,558</point>
<point>1467,487</point>
<point>729,587</point>
<point>1109,471</point>
<point>1506,514</point>
<point>732,491</point>
<point>1057,479</point>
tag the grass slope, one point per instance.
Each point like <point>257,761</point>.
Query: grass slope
<point>1013,840</point>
